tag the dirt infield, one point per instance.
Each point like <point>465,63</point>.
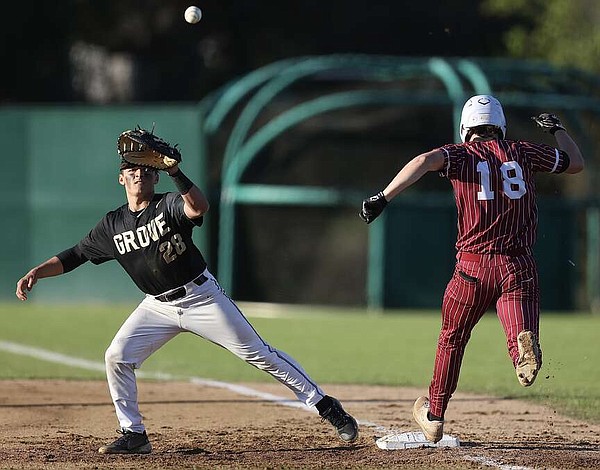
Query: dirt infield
<point>60,424</point>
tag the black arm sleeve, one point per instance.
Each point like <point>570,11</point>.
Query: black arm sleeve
<point>71,258</point>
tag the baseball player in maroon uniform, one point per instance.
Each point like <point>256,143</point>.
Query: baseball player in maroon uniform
<point>151,238</point>
<point>494,190</point>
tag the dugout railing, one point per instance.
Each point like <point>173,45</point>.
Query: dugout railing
<point>441,81</point>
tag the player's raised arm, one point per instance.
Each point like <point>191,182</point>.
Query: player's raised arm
<point>49,268</point>
<point>565,142</point>
<point>195,202</point>
<point>140,147</point>
<point>551,123</point>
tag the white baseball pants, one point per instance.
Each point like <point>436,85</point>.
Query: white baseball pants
<point>207,312</point>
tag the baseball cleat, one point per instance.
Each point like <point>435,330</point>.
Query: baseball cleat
<point>433,430</point>
<point>530,358</point>
<point>344,424</point>
<point>129,443</point>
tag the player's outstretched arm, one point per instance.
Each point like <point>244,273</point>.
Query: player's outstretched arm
<point>49,268</point>
<point>551,124</point>
<point>195,202</point>
<point>412,172</point>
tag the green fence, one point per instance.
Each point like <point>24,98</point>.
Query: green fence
<point>60,178</point>
<point>61,166</point>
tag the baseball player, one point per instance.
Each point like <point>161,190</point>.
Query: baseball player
<point>494,190</point>
<point>151,238</point>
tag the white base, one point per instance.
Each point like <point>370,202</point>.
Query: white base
<point>411,440</point>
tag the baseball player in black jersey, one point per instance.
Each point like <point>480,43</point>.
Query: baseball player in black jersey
<point>151,238</point>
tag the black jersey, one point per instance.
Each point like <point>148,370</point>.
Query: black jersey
<point>154,245</point>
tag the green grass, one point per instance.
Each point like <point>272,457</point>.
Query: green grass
<point>333,345</point>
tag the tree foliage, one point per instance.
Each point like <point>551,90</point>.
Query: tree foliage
<point>563,32</point>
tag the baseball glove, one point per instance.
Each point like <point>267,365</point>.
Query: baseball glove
<point>143,148</point>
<point>548,122</point>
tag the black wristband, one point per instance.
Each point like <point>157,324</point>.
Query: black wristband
<point>182,182</point>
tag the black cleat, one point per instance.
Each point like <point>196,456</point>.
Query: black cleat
<point>344,424</point>
<point>129,443</point>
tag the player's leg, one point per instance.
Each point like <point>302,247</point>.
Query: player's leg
<point>218,319</point>
<point>214,316</point>
<point>468,295</point>
<point>148,328</point>
<point>519,312</point>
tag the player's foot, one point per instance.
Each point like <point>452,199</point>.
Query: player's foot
<point>344,424</point>
<point>129,443</point>
<point>432,429</point>
<point>530,358</point>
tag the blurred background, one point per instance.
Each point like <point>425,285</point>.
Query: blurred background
<point>288,114</point>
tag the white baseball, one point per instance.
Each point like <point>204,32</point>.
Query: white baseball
<point>192,14</point>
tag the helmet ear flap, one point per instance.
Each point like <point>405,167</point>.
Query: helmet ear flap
<point>468,134</point>
<point>464,133</point>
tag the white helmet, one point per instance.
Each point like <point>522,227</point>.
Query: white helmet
<point>482,110</point>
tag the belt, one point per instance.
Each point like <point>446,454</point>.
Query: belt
<point>466,256</point>
<point>179,292</point>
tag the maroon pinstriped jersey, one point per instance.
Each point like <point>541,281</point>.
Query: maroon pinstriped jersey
<point>494,189</point>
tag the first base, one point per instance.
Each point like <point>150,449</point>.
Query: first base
<point>411,440</point>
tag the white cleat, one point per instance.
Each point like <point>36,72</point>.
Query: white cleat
<point>433,430</point>
<point>530,358</point>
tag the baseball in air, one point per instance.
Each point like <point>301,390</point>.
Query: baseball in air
<point>192,14</point>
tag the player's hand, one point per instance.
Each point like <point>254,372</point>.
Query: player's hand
<point>25,284</point>
<point>372,207</point>
<point>548,122</point>
<point>174,169</point>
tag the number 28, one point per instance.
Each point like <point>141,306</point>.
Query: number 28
<point>513,183</point>
<point>172,248</point>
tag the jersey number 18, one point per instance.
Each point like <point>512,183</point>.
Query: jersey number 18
<point>513,183</point>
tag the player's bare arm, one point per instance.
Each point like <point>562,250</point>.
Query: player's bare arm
<point>195,202</point>
<point>49,268</point>
<point>412,172</point>
<point>565,142</point>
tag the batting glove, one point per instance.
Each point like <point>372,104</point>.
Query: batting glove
<point>548,122</point>
<point>372,207</point>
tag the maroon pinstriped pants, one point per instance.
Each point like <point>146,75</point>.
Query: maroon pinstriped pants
<point>478,282</point>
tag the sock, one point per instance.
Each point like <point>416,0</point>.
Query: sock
<point>324,404</point>
<point>431,417</point>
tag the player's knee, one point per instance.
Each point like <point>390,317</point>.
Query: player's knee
<point>114,354</point>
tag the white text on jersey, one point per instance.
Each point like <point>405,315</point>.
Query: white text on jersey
<point>152,231</point>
